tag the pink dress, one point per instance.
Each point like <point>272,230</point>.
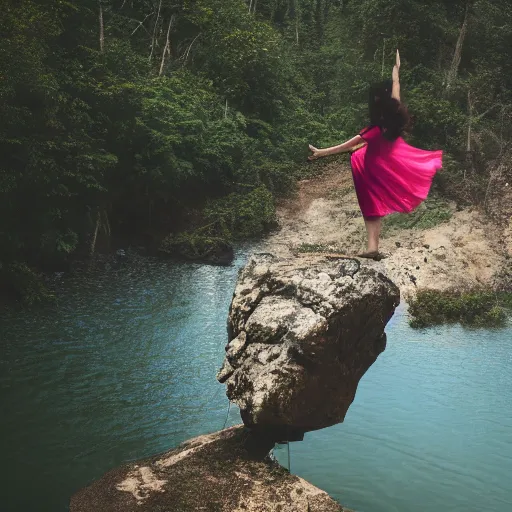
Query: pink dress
<point>391,176</point>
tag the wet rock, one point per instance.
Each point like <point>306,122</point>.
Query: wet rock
<point>222,472</point>
<point>302,334</point>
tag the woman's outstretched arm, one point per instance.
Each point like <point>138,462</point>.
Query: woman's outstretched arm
<point>341,148</point>
<point>395,92</point>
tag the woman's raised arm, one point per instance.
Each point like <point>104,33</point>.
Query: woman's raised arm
<point>341,148</point>
<point>395,92</point>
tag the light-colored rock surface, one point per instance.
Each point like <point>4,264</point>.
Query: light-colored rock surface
<point>458,253</point>
<point>223,472</point>
<point>498,204</point>
<point>465,251</point>
<point>303,331</point>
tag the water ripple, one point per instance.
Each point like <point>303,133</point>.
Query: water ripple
<point>123,366</point>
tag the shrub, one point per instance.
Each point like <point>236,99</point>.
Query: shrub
<point>199,245</point>
<point>477,308</point>
<point>19,281</point>
<point>244,215</point>
<point>236,216</point>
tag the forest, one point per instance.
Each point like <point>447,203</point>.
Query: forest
<point>176,123</point>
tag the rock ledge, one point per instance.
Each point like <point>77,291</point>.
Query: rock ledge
<point>228,471</point>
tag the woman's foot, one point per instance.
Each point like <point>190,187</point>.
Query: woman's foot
<point>371,255</point>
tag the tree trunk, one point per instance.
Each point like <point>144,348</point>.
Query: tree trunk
<point>102,29</point>
<point>297,18</point>
<point>469,156</point>
<point>167,48</point>
<point>92,246</point>
<point>454,68</point>
<point>106,228</point>
<point>185,57</point>
<point>153,39</point>
<point>293,13</point>
<point>470,117</point>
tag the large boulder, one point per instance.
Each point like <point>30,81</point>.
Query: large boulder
<point>228,471</point>
<point>302,333</point>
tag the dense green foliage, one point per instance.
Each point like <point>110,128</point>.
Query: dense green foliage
<point>236,216</point>
<point>120,117</point>
<point>23,284</point>
<point>477,308</point>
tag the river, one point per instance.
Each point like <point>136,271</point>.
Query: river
<point>123,366</point>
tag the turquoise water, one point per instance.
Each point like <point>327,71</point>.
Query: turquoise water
<point>430,428</point>
<point>124,366</point>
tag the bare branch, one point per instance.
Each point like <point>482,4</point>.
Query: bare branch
<point>167,48</point>
<point>94,236</point>
<point>479,116</point>
<point>102,29</point>
<point>454,68</point>
<point>153,40</point>
<point>141,23</point>
<point>297,17</point>
<point>492,135</point>
<point>188,49</point>
<point>470,122</point>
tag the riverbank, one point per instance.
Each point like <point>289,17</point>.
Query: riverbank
<point>461,249</point>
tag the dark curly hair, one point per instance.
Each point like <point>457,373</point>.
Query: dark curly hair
<point>386,112</point>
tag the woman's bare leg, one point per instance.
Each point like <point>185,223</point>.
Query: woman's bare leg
<point>373,227</point>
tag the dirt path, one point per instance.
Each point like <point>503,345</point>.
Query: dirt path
<point>324,216</point>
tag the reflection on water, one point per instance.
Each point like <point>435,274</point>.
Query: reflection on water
<point>124,366</point>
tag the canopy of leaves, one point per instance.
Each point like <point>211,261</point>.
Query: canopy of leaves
<point>119,117</point>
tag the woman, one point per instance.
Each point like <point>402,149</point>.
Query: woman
<point>389,175</point>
